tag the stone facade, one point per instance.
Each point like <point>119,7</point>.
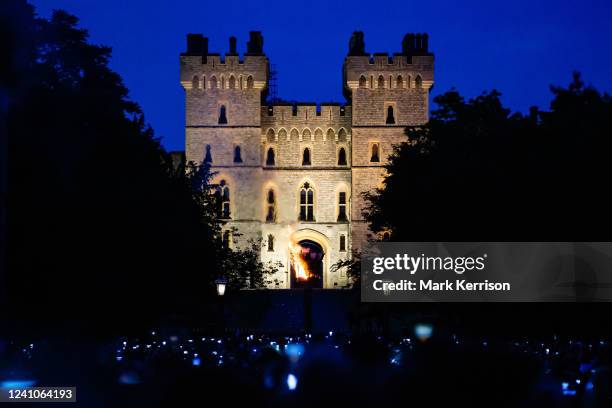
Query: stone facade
<point>272,158</point>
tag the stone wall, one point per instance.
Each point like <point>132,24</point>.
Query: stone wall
<point>372,84</point>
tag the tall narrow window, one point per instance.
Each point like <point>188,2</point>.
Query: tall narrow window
<point>306,202</point>
<point>271,207</point>
<point>270,243</point>
<point>362,82</point>
<point>208,155</point>
<point>381,81</point>
<point>226,239</point>
<point>390,118</point>
<point>223,195</point>
<point>418,82</point>
<point>270,157</point>
<point>237,155</point>
<point>386,236</point>
<point>400,82</point>
<point>342,157</point>
<point>195,83</point>
<point>249,82</point>
<point>306,157</point>
<point>203,82</point>
<point>222,116</point>
<point>342,243</point>
<point>342,206</point>
<point>232,82</point>
<point>213,82</point>
<point>375,157</point>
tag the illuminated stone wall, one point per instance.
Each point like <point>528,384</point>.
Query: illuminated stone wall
<point>287,130</point>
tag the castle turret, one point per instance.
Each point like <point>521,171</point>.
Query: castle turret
<point>387,93</point>
<point>223,95</point>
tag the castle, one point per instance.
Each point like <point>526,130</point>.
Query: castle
<point>292,174</point>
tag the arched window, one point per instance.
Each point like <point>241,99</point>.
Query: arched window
<point>331,134</point>
<point>342,157</point>
<point>222,82</point>
<point>282,134</point>
<point>294,134</point>
<point>375,156</point>
<point>306,202</point>
<point>306,134</point>
<point>342,135</point>
<point>306,157</point>
<point>232,82</point>
<point>195,82</point>
<point>223,195</point>
<point>270,157</point>
<point>390,118</point>
<point>270,136</point>
<point>342,206</point>
<point>213,82</point>
<point>418,82</point>
<point>237,155</point>
<point>208,155</point>
<point>318,134</point>
<point>400,81</point>
<point>271,206</point>
<point>386,236</point>
<point>249,82</point>
<point>381,81</point>
<point>270,243</point>
<point>363,82</point>
<point>222,116</point>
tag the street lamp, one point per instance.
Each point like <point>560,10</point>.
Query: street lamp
<point>221,285</point>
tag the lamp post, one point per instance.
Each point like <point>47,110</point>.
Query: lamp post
<point>221,285</point>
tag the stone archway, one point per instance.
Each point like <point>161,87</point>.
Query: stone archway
<point>308,262</point>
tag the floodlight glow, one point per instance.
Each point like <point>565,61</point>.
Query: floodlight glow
<point>292,382</point>
<point>423,331</point>
<point>17,383</point>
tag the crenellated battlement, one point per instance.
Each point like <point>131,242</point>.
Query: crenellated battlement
<point>410,69</point>
<point>311,112</point>
<point>210,70</point>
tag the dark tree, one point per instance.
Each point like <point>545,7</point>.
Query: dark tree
<point>103,230</point>
<point>478,172</point>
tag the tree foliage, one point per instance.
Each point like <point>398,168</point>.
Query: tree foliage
<point>478,172</point>
<point>103,230</point>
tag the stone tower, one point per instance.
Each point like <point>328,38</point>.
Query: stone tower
<point>292,174</point>
<point>387,93</point>
<point>223,98</point>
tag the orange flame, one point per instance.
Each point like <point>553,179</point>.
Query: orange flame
<point>299,264</point>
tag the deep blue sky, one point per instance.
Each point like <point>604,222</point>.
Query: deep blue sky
<point>518,47</point>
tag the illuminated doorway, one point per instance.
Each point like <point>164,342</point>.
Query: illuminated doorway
<point>307,266</point>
